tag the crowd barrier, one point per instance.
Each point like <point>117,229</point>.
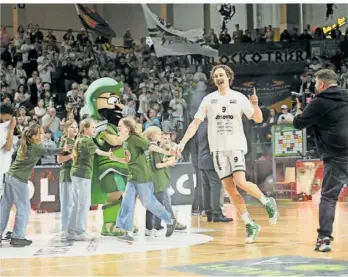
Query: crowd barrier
<point>44,187</point>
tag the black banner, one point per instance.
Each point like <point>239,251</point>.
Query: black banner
<point>44,187</point>
<point>264,59</point>
<point>270,89</point>
<point>182,182</point>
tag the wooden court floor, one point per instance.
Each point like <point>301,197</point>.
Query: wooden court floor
<point>281,250</point>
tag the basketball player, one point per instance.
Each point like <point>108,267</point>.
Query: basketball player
<point>224,109</point>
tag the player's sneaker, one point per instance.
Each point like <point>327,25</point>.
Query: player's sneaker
<point>323,244</point>
<point>252,231</point>
<point>272,211</point>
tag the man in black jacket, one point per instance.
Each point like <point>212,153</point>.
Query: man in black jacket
<point>209,178</point>
<point>327,114</point>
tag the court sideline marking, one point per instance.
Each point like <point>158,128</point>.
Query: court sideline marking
<point>157,257</point>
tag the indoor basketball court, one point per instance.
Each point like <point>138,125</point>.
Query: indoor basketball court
<point>204,249</point>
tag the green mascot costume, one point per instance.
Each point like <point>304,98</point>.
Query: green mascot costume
<point>109,177</point>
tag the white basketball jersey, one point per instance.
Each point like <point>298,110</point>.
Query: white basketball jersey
<point>225,126</point>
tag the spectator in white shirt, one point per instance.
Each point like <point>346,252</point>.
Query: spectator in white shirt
<point>25,48</point>
<point>129,109</point>
<point>285,117</point>
<point>45,69</point>
<point>315,65</point>
<point>50,120</point>
<point>40,110</point>
<point>144,101</point>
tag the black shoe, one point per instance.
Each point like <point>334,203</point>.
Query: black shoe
<point>20,242</point>
<point>171,228</point>
<point>323,245</point>
<point>209,217</point>
<point>222,219</point>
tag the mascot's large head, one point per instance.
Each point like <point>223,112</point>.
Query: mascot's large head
<point>103,100</point>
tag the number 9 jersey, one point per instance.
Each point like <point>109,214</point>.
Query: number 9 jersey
<point>224,113</point>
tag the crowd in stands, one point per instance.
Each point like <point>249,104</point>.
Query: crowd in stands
<point>46,80</point>
<point>266,35</point>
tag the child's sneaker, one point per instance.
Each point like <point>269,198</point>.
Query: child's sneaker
<point>148,233</point>
<point>82,237</point>
<point>252,231</point>
<point>126,238</point>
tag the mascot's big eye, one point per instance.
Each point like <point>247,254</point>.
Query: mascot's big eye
<point>113,100</point>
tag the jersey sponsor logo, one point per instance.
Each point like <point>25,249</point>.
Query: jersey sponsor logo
<point>213,101</point>
<point>233,101</point>
<point>225,116</point>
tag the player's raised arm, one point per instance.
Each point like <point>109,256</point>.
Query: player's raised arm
<point>254,100</point>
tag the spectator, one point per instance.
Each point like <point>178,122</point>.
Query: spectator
<point>82,37</point>
<point>40,110</point>
<point>38,34</point>
<point>76,102</point>
<point>237,34</point>
<point>285,36</point>
<point>285,117</point>
<point>178,105</point>
<point>50,120</point>
<point>336,33</point>
<point>48,143</point>
<point>127,39</point>
<point>22,114</point>
<point>4,37</point>
<point>294,35</point>
<point>129,109</point>
<point>36,89</point>
<point>212,38</point>
<point>269,35</point>
<point>246,38</point>
<point>51,37</point>
<point>69,36</point>
<point>22,90</point>
<point>45,70</point>
<point>258,36</point>
<point>59,134</point>
<point>225,38</point>
<point>151,119</point>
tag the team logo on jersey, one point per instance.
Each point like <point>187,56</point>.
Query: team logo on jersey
<point>225,116</point>
<point>213,101</point>
<point>233,101</point>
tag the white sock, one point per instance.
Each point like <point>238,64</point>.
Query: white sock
<point>246,218</point>
<point>264,200</point>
